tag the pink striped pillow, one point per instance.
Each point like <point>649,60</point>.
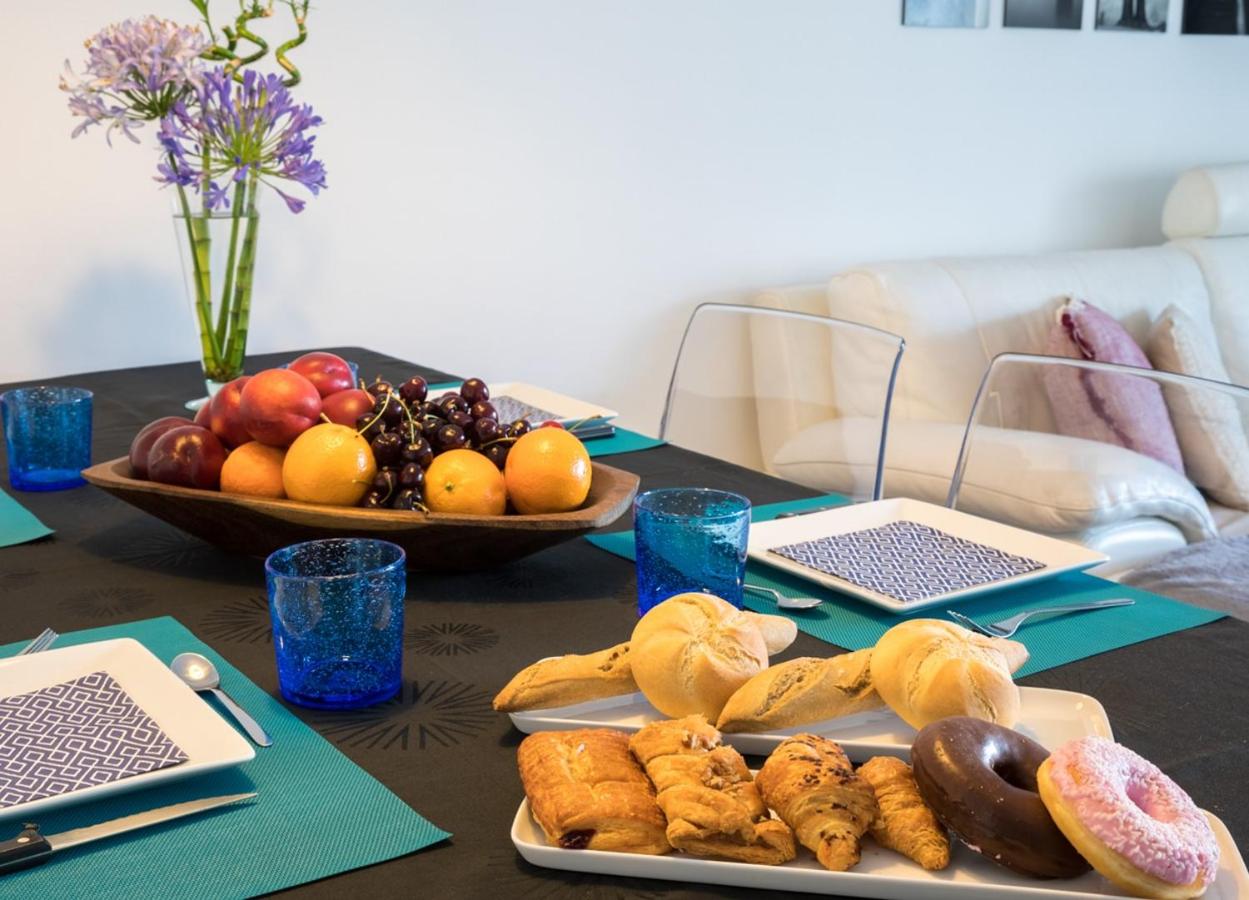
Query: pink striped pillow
<point>1123,410</point>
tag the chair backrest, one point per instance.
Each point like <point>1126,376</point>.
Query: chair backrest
<point>730,400</point>
<point>1120,435</point>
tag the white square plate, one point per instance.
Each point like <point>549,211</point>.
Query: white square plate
<point>880,873</point>
<point>209,742</point>
<point>1047,716</point>
<point>1055,556</point>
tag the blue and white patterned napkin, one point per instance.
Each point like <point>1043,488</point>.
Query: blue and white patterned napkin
<point>907,561</point>
<point>75,735</point>
<point>509,409</point>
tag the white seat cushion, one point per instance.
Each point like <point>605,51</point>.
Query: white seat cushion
<point>1232,522</point>
<point>1048,483</point>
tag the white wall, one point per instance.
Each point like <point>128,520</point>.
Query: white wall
<point>542,189</point>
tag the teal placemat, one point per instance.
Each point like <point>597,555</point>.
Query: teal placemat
<point>317,813</point>
<point>853,624</point>
<point>18,524</point>
<point>623,441</point>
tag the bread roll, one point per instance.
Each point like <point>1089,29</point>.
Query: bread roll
<point>569,679</point>
<point>691,652</point>
<point>929,669</point>
<point>778,631</point>
<point>802,691</point>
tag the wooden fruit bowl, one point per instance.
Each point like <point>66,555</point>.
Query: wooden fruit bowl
<point>433,541</point>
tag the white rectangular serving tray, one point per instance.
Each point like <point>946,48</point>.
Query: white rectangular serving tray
<point>1048,716</point>
<point>881,873</point>
<point>1055,555</point>
<point>209,742</point>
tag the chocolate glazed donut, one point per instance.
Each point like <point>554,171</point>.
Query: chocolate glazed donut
<point>980,780</point>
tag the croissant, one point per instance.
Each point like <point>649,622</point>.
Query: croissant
<point>707,795</point>
<point>810,783</point>
<point>905,823</point>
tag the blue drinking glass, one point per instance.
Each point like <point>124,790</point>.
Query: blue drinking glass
<point>337,610</point>
<point>690,539</point>
<point>47,432</point>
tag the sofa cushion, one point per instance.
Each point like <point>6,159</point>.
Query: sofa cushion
<point>1207,423</point>
<point>1049,483</point>
<point>1211,201</point>
<point>958,313</point>
<point>1124,410</point>
<point>1224,264</point>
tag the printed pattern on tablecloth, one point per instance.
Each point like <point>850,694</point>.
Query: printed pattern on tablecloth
<point>75,735</point>
<point>907,560</point>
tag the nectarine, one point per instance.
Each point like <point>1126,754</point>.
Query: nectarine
<point>345,407</point>
<point>188,455</point>
<point>328,373</point>
<point>279,405</point>
<point>225,419</point>
<point>146,437</point>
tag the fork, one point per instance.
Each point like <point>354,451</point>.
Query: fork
<point>1007,627</point>
<point>42,642</point>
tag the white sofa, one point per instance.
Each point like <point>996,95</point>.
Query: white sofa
<point>957,314</point>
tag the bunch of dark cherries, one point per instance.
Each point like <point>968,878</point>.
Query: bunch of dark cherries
<point>406,430</point>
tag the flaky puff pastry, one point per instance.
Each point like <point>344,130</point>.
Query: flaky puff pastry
<point>810,783</point>
<point>588,793</point>
<point>705,790</point>
<point>905,822</point>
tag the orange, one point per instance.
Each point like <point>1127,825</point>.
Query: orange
<point>254,469</point>
<point>464,481</point>
<point>547,471</point>
<point>328,464</point>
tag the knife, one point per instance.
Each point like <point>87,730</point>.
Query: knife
<point>30,848</point>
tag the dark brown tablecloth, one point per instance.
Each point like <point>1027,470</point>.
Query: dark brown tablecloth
<point>1181,700</point>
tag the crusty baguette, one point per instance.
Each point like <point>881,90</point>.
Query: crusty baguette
<point>569,679</point>
<point>802,691</point>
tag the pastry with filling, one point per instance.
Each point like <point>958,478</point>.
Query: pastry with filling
<point>708,795</point>
<point>588,793</point>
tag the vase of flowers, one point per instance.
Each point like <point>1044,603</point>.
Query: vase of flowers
<point>224,131</point>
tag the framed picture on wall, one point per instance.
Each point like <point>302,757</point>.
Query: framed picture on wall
<point>1132,15</point>
<point>1044,14</point>
<point>946,13</point>
<point>1216,16</point>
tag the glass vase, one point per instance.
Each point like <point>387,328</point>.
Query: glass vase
<point>218,251</point>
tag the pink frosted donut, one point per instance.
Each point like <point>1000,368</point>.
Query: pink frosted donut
<point>1105,797</point>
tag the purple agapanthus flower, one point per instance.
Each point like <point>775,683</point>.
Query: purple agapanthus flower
<point>231,133</point>
<point>135,72</point>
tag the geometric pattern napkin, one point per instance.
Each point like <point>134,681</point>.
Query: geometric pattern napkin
<point>907,561</point>
<point>74,735</point>
<point>510,409</point>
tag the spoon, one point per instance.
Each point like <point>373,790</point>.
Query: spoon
<point>201,675</point>
<point>785,602</point>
